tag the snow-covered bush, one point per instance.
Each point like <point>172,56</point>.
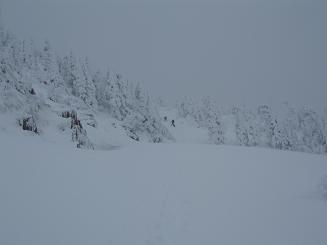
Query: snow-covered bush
<point>215,129</point>
<point>29,124</point>
<point>79,134</point>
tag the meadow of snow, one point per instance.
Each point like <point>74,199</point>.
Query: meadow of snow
<point>169,193</point>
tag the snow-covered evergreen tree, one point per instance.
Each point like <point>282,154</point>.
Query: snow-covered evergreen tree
<point>86,88</point>
<point>279,139</point>
<point>245,128</point>
<point>265,124</point>
<point>216,131</point>
<point>311,131</point>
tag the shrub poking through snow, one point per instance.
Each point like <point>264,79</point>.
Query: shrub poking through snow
<point>32,91</point>
<point>28,123</point>
<point>131,133</point>
<point>66,114</point>
<point>75,122</point>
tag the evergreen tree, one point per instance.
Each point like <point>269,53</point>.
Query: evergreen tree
<point>215,128</point>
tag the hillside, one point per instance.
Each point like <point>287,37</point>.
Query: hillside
<point>61,99</point>
<point>178,122</point>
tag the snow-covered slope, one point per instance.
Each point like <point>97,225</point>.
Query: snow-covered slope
<point>62,97</point>
<point>185,130</point>
<point>158,194</point>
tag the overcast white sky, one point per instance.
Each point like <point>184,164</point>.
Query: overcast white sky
<point>240,52</point>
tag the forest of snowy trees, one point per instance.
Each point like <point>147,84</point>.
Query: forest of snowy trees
<point>295,129</point>
<point>35,82</point>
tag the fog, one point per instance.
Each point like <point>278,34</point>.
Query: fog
<point>239,52</point>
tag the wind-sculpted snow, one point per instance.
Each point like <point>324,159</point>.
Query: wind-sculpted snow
<point>158,194</point>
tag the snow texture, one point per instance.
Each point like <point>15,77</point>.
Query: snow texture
<point>158,194</point>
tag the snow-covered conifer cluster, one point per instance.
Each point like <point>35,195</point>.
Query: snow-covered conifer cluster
<point>35,82</point>
<point>42,89</point>
<point>297,129</point>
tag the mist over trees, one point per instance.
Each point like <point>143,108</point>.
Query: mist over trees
<point>35,81</point>
<point>295,129</point>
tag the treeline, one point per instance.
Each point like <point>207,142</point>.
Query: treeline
<point>35,82</point>
<point>293,129</point>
